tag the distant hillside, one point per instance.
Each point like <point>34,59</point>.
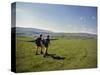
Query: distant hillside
<point>21,31</point>
<point>75,35</point>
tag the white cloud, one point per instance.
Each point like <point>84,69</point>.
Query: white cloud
<point>81,18</point>
<point>93,17</point>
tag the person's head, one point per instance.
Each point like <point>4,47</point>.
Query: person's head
<point>40,35</point>
<point>48,36</point>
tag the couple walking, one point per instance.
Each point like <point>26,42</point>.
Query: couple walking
<point>43,44</point>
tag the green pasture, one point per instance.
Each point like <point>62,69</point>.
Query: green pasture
<point>64,53</point>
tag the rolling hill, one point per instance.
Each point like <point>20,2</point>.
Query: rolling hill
<point>21,31</point>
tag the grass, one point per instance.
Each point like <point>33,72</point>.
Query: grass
<point>78,54</point>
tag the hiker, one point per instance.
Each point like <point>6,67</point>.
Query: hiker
<point>46,43</point>
<point>39,44</point>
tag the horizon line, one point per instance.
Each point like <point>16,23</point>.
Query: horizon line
<point>57,31</point>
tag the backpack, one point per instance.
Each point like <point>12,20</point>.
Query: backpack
<point>37,41</point>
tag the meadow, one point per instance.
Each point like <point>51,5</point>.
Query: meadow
<point>64,54</point>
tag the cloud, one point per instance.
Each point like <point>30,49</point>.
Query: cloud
<point>93,17</point>
<point>81,18</point>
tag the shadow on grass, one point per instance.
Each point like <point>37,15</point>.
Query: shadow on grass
<point>54,56</point>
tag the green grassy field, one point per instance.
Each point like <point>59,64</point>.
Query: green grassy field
<point>77,53</point>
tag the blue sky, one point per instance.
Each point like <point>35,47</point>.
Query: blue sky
<point>57,18</point>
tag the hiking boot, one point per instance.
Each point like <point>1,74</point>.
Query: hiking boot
<point>37,54</point>
<point>44,55</point>
<point>41,52</point>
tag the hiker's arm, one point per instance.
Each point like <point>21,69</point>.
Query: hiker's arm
<point>42,44</point>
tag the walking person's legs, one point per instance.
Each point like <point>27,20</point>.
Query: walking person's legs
<point>41,50</point>
<point>37,50</point>
<point>46,51</point>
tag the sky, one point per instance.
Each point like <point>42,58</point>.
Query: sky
<point>57,18</point>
